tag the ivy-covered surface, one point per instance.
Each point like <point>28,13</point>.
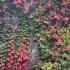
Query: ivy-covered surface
<point>34,35</point>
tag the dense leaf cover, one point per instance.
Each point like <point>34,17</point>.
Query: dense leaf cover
<point>49,23</point>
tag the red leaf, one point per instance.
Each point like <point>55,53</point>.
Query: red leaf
<point>53,29</point>
<point>59,49</point>
<point>9,65</point>
<point>19,59</point>
<point>26,7</point>
<point>67,47</point>
<point>8,59</point>
<point>25,65</point>
<point>25,51</point>
<point>17,2</point>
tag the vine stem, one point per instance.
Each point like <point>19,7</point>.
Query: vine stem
<point>33,57</point>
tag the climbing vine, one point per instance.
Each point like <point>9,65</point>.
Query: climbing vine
<point>35,27</point>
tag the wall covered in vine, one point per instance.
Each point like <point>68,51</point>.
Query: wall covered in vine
<point>34,34</point>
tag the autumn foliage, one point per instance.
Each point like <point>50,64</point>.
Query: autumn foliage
<point>51,22</point>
